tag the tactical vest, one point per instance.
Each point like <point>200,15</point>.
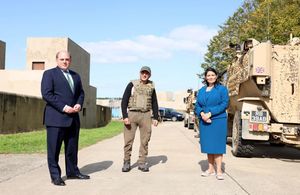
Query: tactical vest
<point>141,96</point>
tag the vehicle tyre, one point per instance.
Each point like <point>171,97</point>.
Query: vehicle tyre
<point>229,128</point>
<point>174,118</point>
<point>190,126</point>
<point>196,125</point>
<point>240,147</point>
<point>185,123</point>
<point>229,124</point>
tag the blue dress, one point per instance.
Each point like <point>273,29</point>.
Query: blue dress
<point>213,135</point>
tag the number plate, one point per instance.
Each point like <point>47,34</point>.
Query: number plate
<point>259,116</point>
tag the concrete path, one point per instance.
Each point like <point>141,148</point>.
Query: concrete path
<point>175,168</point>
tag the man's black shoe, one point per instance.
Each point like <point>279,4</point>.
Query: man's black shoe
<point>126,166</point>
<point>143,167</point>
<point>58,182</point>
<point>78,176</point>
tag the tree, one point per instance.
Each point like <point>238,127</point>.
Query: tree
<point>262,20</point>
<point>274,20</point>
<point>219,55</point>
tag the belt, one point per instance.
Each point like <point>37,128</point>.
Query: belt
<point>139,111</point>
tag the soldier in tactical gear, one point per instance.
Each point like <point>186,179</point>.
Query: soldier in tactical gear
<point>138,100</point>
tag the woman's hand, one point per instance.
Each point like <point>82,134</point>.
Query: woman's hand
<point>206,117</point>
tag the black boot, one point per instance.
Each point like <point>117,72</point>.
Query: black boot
<point>126,166</point>
<point>143,167</point>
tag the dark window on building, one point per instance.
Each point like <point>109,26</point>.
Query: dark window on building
<point>83,111</point>
<point>38,65</point>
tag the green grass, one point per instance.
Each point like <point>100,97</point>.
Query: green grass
<point>35,142</point>
<point>91,136</point>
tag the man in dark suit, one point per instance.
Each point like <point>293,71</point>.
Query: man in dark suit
<point>62,90</point>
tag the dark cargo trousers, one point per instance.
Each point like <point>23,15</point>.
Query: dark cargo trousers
<point>143,121</point>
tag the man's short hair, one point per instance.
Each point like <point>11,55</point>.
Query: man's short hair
<point>57,54</point>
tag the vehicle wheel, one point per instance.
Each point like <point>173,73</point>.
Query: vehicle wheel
<point>185,123</point>
<point>174,118</point>
<point>229,128</point>
<point>190,126</point>
<point>196,125</point>
<point>229,125</point>
<point>239,146</point>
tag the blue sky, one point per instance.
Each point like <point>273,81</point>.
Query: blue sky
<point>170,36</point>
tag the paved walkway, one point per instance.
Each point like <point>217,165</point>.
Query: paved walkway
<point>175,168</point>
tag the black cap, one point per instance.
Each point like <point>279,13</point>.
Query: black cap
<point>146,68</point>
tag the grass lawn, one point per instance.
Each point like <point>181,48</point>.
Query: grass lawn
<point>35,142</point>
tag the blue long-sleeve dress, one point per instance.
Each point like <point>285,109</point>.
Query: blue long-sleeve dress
<point>213,135</point>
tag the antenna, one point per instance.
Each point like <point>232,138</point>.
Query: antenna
<point>268,28</point>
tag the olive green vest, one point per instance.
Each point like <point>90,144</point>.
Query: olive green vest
<point>141,96</point>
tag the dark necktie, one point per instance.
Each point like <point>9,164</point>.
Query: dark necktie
<point>69,79</point>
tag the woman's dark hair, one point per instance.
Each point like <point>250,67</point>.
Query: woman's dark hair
<point>214,71</point>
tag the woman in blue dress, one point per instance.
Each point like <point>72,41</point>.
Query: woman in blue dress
<point>212,101</point>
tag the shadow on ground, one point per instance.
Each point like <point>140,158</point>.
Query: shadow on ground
<point>281,152</point>
<point>94,167</point>
<point>284,153</point>
<point>153,160</point>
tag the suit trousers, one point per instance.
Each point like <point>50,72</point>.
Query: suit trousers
<point>141,120</point>
<point>55,137</point>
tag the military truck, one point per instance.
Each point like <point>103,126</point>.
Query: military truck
<point>264,90</point>
<point>190,120</point>
<point>189,117</point>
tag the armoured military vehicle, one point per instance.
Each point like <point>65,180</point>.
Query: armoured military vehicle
<point>190,120</point>
<point>189,117</point>
<point>264,90</point>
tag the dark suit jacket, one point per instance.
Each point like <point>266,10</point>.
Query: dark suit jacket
<point>57,93</point>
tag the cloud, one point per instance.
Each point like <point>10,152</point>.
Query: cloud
<point>191,38</point>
